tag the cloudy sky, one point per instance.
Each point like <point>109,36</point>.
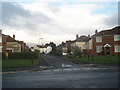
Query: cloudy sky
<point>54,20</point>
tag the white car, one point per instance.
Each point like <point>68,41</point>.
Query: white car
<point>65,54</point>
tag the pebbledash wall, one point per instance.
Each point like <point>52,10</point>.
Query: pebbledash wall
<point>106,42</point>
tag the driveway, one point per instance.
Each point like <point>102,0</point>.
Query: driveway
<point>63,74</point>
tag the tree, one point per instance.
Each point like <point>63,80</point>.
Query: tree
<point>77,51</point>
<point>53,45</point>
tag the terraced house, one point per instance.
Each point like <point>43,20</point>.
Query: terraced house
<point>106,42</point>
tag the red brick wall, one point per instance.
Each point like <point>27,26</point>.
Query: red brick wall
<point>105,40</point>
<point>4,39</point>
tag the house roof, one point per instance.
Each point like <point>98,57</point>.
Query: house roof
<point>42,46</point>
<point>4,35</point>
<point>20,42</point>
<point>112,31</point>
<point>82,39</point>
<point>10,39</point>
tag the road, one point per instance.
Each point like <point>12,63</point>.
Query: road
<point>63,74</point>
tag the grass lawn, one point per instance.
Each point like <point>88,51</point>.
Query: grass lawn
<point>100,59</point>
<point>18,63</point>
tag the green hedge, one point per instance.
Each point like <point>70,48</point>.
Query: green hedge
<point>23,55</point>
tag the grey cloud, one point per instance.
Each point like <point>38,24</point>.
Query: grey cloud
<point>11,11</point>
<point>112,20</point>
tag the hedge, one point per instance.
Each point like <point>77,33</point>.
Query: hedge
<point>23,55</point>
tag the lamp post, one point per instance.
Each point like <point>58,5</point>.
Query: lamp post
<point>40,39</point>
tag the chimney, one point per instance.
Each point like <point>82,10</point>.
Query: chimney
<point>13,36</point>
<point>89,35</point>
<point>96,31</point>
<point>77,36</point>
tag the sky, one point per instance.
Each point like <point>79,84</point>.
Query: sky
<point>56,20</point>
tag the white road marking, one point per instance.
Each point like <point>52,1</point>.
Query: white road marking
<point>56,70</point>
<point>67,69</point>
<point>74,69</point>
<point>63,65</point>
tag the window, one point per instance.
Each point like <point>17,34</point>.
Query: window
<point>117,48</point>
<point>99,39</point>
<point>116,37</point>
<point>98,49</point>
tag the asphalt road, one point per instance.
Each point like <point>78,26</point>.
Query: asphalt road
<point>63,74</point>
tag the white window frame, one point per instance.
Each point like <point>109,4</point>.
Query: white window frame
<point>117,48</point>
<point>99,49</point>
<point>99,39</point>
<point>116,37</point>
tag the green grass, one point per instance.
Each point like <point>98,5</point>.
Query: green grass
<point>100,59</point>
<point>19,63</point>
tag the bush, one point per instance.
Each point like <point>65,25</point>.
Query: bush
<point>71,56</point>
<point>3,56</point>
<point>23,55</point>
<point>56,53</point>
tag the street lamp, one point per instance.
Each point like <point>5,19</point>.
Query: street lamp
<point>41,41</point>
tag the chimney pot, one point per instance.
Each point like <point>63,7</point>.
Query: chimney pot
<point>96,31</point>
<point>89,35</point>
<point>77,36</point>
<point>13,36</point>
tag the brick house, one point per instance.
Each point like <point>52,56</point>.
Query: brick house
<point>11,45</point>
<point>106,42</point>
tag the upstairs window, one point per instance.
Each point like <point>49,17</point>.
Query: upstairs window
<point>99,39</point>
<point>116,37</point>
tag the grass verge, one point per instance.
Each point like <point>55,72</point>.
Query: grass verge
<point>100,59</point>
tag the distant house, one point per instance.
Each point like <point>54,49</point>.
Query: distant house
<point>81,42</point>
<point>42,49</point>
<point>68,46</point>
<point>106,41</point>
<point>65,48</point>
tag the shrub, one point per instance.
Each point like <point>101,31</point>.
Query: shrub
<point>3,56</point>
<point>23,55</point>
<point>71,56</point>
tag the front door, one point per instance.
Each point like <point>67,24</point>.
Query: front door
<point>107,50</point>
